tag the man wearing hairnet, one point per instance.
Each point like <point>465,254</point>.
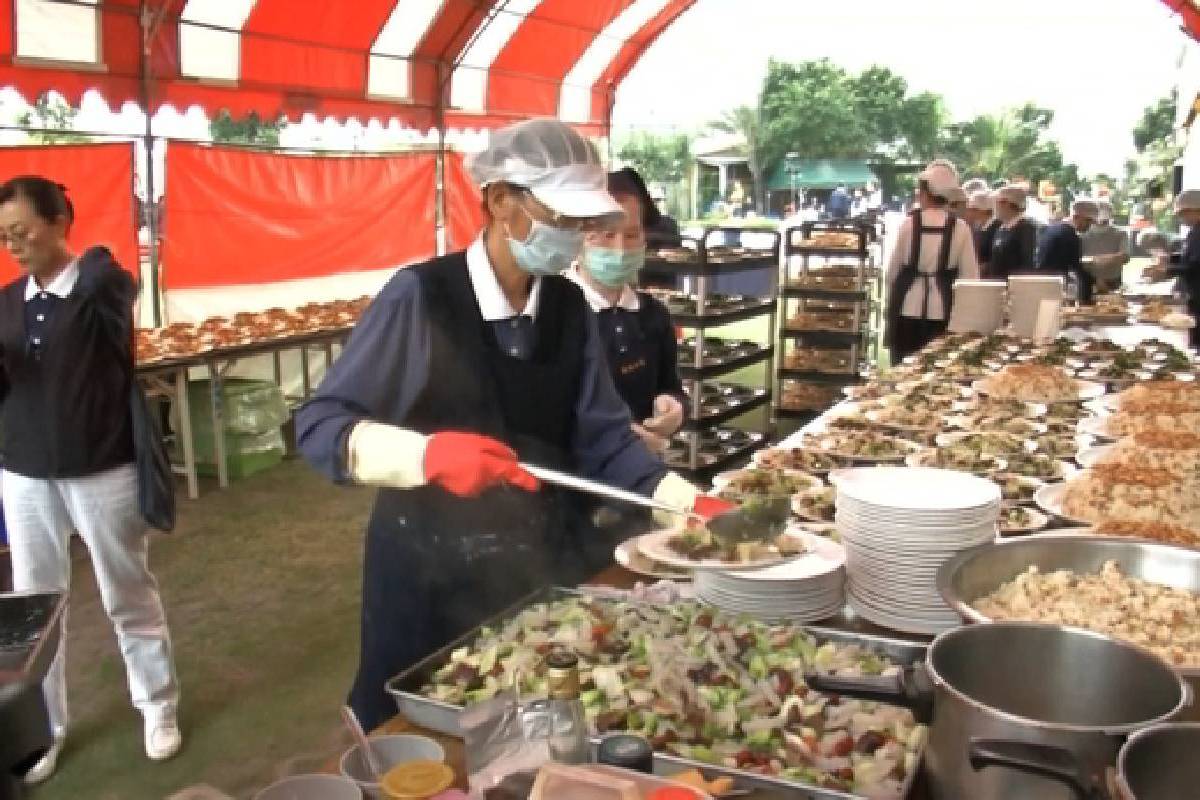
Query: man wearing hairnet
<point>1185,264</point>
<point>1105,249</point>
<point>462,366</point>
<point>978,215</point>
<point>1011,238</point>
<point>1061,248</point>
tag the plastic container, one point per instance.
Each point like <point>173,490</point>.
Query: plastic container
<point>603,782</point>
<point>391,751</point>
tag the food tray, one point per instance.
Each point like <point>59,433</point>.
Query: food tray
<point>441,717</point>
<point>29,628</point>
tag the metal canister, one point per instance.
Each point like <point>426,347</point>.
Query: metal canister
<point>627,751</point>
<point>562,675</point>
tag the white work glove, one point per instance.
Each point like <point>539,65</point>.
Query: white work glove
<point>668,416</point>
<point>385,455</point>
<point>675,491</point>
<point>655,443</point>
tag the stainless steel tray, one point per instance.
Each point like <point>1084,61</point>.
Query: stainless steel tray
<point>443,717</point>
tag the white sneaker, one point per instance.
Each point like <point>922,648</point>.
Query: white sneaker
<point>163,739</point>
<point>45,766</point>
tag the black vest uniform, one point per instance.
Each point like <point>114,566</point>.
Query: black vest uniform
<point>641,350</point>
<point>65,380</point>
<point>906,335</point>
<point>436,564</point>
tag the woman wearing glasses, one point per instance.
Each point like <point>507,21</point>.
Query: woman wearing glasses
<point>66,338</point>
<point>463,365</point>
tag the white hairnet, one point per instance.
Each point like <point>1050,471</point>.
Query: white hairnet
<point>1013,195</point>
<point>1188,200</point>
<point>1085,208</point>
<point>975,185</point>
<point>981,200</point>
<point>1105,207</point>
<point>561,168</point>
<point>956,195</point>
<point>941,176</point>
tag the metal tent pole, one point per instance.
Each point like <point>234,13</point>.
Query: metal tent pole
<point>150,21</point>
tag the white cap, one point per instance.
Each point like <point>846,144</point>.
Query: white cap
<point>558,166</point>
<point>975,185</point>
<point>1013,195</point>
<point>981,200</point>
<point>1188,200</point>
<point>1105,208</point>
<point>956,195</point>
<point>1085,208</point>
<point>941,176</point>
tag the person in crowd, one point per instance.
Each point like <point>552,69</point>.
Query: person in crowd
<point>839,202</point>
<point>956,204</point>
<point>1185,263</point>
<point>661,229</point>
<point>463,367</point>
<point>66,367</point>
<point>1011,238</point>
<point>933,248</point>
<point>1061,248</point>
<point>1105,250</point>
<point>979,213</point>
<point>639,339</point>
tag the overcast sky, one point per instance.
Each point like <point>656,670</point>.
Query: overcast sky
<point>1097,63</point>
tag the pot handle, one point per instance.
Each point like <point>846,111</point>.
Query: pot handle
<point>1048,761</point>
<point>910,687</point>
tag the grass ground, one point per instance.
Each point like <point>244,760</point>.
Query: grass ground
<point>261,584</point>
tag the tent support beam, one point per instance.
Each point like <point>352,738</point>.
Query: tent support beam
<point>150,20</point>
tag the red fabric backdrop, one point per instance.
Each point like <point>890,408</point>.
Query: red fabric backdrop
<point>99,181</point>
<point>243,217</point>
<point>464,212</point>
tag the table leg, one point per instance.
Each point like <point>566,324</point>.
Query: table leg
<point>186,442</point>
<point>215,381</point>
<point>278,368</point>
<point>305,380</point>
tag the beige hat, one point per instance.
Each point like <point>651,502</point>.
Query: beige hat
<point>1085,208</point>
<point>1013,195</point>
<point>981,200</point>
<point>956,195</point>
<point>975,185</point>
<point>941,176</point>
<point>1188,200</point>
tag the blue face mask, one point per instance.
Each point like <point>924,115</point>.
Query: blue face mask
<point>613,267</point>
<point>546,250</point>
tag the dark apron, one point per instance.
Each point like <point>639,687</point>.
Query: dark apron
<point>909,274</point>
<point>437,565</point>
<point>1190,260</point>
<point>633,356</point>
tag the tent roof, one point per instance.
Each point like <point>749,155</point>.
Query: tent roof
<point>430,63</point>
<point>821,173</point>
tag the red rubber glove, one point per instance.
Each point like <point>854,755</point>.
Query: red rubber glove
<point>466,463</point>
<point>709,507</point>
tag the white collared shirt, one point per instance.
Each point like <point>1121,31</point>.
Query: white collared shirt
<point>62,285</point>
<point>628,300</point>
<point>489,295</point>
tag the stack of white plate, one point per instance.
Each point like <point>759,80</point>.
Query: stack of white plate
<point>805,589</point>
<point>898,525</point>
<point>978,306</point>
<point>1027,293</point>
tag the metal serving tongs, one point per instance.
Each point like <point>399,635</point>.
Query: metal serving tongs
<point>758,522</point>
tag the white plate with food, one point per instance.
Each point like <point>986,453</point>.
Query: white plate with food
<point>1017,489</point>
<point>959,459</point>
<point>1037,384</point>
<point>1050,500</point>
<point>1021,519</point>
<point>1040,466</point>
<point>628,556</point>
<point>761,481</point>
<point>815,505</point>
<point>866,447</point>
<point>1090,456</point>
<point>799,459</point>
<point>694,548</point>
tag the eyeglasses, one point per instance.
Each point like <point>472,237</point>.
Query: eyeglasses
<point>17,236</point>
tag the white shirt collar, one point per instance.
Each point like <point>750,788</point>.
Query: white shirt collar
<point>492,303</point>
<point>628,300</point>
<point>61,286</point>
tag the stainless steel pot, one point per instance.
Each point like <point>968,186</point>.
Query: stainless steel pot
<point>1160,763</point>
<point>1025,710</point>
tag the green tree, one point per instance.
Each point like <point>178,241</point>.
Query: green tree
<point>811,108</point>
<point>1157,122</point>
<point>659,158</point>
<point>747,121</point>
<point>247,130</point>
<point>54,122</point>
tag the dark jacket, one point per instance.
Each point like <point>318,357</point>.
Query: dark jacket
<point>66,414</point>
<point>1061,252</point>
<point>1009,250</point>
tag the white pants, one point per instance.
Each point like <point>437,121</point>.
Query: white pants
<point>102,509</point>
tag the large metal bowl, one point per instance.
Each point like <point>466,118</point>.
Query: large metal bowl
<point>979,571</point>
